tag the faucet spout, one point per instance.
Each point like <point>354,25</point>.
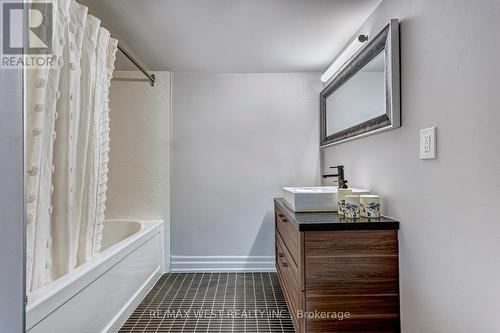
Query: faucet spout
<point>341,181</point>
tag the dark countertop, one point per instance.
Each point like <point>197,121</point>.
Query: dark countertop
<point>323,221</point>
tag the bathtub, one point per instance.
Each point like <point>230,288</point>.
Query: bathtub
<point>99,295</point>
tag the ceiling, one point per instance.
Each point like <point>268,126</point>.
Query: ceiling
<point>232,35</point>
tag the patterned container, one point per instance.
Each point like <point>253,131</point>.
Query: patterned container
<point>341,193</point>
<point>351,208</point>
<point>370,205</point>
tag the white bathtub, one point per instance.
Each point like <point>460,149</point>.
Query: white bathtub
<point>99,295</point>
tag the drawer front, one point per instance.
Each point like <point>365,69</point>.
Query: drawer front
<point>349,242</point>
<point>289,234</point>
<point>352,276</point>
<point>351,263</point>
<point>285,259</point>
<point>353,325</point>
<point>287,271</point>
<point>355,272</point>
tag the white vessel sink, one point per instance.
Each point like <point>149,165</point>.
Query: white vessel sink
<point>315,199</point>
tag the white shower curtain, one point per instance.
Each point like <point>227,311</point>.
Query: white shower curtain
<point>68,146</point>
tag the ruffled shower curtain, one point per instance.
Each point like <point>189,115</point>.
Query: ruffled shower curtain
<point>68,146</point>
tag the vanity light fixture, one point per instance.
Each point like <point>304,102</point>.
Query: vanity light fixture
<point>342,58</point>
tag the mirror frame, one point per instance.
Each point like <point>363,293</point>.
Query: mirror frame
<point>386,41</point>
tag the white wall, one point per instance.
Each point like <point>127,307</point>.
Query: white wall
<point>237,139</point>
<point>450,229</point>
<point>11,202</point>
<point>139,166</point>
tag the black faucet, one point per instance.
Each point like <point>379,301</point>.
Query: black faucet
<point>340,176</point>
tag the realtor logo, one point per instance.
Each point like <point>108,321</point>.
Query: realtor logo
<point>27,33</point>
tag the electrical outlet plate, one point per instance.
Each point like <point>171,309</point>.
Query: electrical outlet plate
<point>428,143</point>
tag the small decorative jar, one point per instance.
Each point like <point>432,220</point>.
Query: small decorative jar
<point>341,193</point>
<point>351,208</point>
<point>370,205</point>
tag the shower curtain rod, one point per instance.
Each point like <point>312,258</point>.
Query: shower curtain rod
<point>151,77</point>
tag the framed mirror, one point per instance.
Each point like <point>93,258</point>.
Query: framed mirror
<point>363,98</point>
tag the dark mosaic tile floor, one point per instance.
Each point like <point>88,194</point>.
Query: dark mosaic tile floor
<point>213,302</point>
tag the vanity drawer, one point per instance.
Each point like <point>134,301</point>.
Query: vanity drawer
<point>288,274</point>
<point>285,261</point>
<point>290,235</point>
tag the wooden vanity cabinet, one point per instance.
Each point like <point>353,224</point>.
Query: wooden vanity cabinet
<point>338,276</point>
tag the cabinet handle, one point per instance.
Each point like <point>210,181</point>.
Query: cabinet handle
<point>282,218</point>
<point>282,261</point>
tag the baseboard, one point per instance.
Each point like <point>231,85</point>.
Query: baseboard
<point>121,317</point>
<point>223,264</point>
